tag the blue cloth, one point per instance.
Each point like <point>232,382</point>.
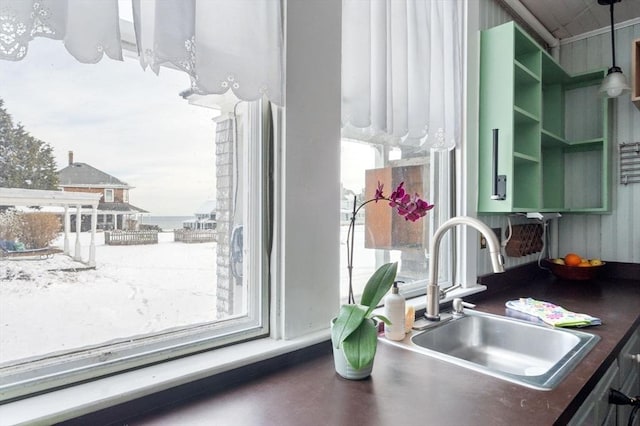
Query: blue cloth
<point>7,245</point>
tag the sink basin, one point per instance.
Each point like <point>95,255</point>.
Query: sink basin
<point>533,355</point>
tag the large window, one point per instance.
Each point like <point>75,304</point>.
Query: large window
<point>184,160</point>
<point>304,266</point>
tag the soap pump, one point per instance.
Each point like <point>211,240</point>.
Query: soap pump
<point>394,310</point>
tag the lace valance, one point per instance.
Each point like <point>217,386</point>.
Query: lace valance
<point>88,28</point>
<point>223,45</point>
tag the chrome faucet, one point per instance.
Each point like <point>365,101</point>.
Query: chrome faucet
<point>433,291</point>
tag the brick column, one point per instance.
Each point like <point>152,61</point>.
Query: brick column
<point>224,206</point>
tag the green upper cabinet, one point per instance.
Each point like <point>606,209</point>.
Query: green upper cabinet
<point>552,150</point>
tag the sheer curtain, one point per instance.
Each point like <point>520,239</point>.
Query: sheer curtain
<point>223,45</point>
<point>402,72</point>
<point>88,28</point>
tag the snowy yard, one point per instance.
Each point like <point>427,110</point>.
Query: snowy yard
<point>133,290</point>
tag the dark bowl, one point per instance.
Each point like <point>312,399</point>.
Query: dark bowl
<point>574,273</point>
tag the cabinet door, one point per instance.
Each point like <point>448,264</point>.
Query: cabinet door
<point>596,409</point>
<point>629,376</point>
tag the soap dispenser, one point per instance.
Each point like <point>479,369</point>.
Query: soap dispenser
<point>394,310</point>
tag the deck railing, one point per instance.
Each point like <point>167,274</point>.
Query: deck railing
<point>194,235</point>
<point>129,238</point>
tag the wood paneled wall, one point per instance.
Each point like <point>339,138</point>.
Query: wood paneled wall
<point>615,236</point>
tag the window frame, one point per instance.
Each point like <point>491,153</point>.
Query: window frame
<point>302,298</point>
<point>108,195</point>
<point>441,167</point>
<point>44,373</point>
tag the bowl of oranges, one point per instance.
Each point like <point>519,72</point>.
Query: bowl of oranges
<point>574,267</point>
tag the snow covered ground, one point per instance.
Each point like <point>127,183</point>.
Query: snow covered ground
<point>133,290</point>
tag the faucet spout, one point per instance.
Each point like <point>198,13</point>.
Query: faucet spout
<point>433,291</point>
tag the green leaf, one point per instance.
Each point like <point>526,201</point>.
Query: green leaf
<point>378,285</point>
<point>349,319</point>
<point>382,318</point>
<point>360,346</point>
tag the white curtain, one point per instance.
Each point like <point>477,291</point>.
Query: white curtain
<point>89,28</point>
<point>402,72</point>
<point>223,45</point>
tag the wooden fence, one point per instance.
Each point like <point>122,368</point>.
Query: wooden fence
<point>129,238</point>
<point>194,235</point>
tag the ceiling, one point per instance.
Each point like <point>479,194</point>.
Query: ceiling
<point>568,18</point>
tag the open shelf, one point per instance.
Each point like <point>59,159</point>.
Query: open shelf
<point>552,72</point>
<point>527,53</point>
<point>523,116</point>
<point>526,187</point>
<point>552,113</point>
<point>527,94</point>
<point>585,145</point>
<point>584,175</point>
<point>549,139</point>
<point>553,177</point>
<point>524,74</point>
<point>553,145</point>
<point>520,158</point>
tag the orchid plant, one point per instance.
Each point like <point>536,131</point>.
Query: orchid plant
<point>410,207</point>
<point>354,329</point>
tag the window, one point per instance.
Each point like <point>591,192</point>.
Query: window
<point>402,110</point>
<point>303,295</point>
<point>190,289</point>
<point>363,164</point>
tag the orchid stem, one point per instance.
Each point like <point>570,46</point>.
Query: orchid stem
<point>350,246</point>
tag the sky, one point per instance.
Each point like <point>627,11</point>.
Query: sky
<point>129,123</point>
<point>121,119</point>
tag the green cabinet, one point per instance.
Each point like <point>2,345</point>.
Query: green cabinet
<point>552,145</point>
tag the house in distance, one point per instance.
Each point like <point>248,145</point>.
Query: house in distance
<point>205,217</point>
<point>114,210</point>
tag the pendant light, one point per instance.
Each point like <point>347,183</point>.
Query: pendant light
<point>615,83</point>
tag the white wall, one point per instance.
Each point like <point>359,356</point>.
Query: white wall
<point>616,236</point>
<point>309,256</point>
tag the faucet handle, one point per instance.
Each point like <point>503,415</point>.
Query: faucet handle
<point>444,292</point>
<point>459,304</point>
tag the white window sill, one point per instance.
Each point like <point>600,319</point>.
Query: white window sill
<point>103,393</point>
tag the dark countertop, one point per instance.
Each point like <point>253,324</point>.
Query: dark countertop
<point>410,388</point>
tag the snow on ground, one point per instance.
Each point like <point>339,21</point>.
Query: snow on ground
<point>133,290</point>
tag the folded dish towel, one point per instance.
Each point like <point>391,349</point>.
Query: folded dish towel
<point>552,314</point>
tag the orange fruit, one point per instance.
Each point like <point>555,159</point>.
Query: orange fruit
<point>572,259</point>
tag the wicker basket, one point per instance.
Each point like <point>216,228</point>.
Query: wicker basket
<point>574,273</point>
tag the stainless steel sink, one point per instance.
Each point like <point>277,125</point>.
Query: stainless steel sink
<point>529,354</point>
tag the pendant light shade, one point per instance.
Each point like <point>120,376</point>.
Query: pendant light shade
<point>615,83</point>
